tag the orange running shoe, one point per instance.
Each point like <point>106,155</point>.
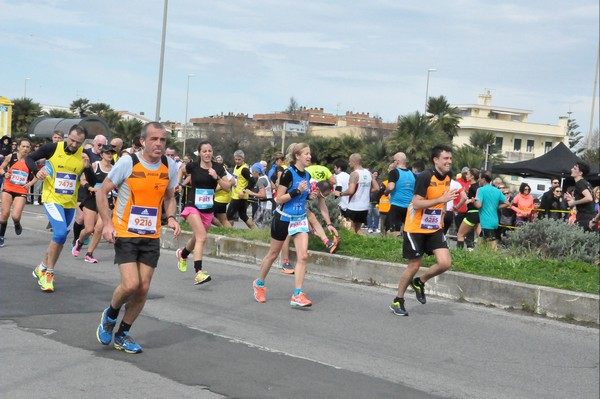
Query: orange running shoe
<point>300,301</point>
<point>259,292</point>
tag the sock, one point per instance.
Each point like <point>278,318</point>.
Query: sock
<point>43,267</point>
<point>460,244</point>
<point>76,231</point>
<point>51,271</point>
<point>197,265</point>
<point>185,253</point>
<point>3,228</point>
<point>297,291</point>
<point>123,328</point>
<point>89,254</point>
<point>398,299</point>
<point>260,283</point>
<point>112,313</point>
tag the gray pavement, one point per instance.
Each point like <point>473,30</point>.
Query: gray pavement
<point>215,341</point>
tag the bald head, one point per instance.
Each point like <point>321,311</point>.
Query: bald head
<point>117,144</point>
<point>355,159</point>
<point>400,160</point>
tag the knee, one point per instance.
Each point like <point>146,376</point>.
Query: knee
<point>302,256</point>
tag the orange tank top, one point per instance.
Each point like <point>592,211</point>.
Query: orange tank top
<point>431,219</point>
<point>18,177</point>
<point>139,204</point>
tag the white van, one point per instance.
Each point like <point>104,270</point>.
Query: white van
<point>538,186</point>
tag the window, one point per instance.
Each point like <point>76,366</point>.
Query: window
<point>499,143</point>
<point>547,146</point>
<point>517,144</point>
<point>530,144</point>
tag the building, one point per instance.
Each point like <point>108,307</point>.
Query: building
<point>516,137</point>
<point>5,116</point>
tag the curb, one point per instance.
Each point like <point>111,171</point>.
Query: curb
<point>548,302</point>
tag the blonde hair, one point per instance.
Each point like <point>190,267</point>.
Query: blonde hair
<point>293,150</point>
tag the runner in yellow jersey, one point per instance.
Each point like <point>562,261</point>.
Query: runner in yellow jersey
<point>423,228</point>
<point>144,180</point>
<point>61,173</point>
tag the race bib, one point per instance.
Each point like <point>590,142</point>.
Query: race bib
<point>298,225</point>
<point>142,220</point>
<point>65,183</point>
<point>18,177</point>
<point>204,198</point>
<point>432,219</point>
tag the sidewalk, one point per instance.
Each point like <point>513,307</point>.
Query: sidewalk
<point>544,301</point>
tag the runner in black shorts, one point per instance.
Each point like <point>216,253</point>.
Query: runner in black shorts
<point>423,229</point>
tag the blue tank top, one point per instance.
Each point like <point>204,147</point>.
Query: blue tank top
<point>404,190</point>
<point>297,205</point>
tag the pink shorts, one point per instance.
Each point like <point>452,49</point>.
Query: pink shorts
<point>205,217</point>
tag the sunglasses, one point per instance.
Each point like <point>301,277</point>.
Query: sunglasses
<point>558,191</point>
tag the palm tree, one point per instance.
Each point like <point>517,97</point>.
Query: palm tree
<point>444,117</point>
<point>415,136</point>
<point>486,141</point>
<point>126,130</point>
<point>99,109</point>
<point>80,107</point>
<point>60,113</point>
<point>24,111</point>
<point>467,155</point>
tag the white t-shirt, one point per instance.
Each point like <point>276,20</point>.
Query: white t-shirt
<point>342,179</point>
<point>454,185</point>
<point>361,198</point>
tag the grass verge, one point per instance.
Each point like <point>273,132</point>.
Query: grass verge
<point>572,276</point>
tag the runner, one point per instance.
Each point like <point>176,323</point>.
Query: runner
<point>18,180</point>
<point>92,180</point>
<point>144,179</point>
<point>290,219</point>
<point>423,229</point>
<point>64,164</point>
<point>205,175</point>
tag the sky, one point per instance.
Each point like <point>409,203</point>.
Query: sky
<point>252,56</point>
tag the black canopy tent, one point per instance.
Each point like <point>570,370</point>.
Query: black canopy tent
<point>556,163</point>
<point>44,126</point>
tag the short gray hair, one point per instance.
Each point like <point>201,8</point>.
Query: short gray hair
<point>239,154</point>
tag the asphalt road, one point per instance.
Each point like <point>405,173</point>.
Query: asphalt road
<point>215,341</point>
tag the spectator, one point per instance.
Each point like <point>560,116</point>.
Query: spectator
<point>460,205</point>
<point>400,188</point>
<point>489,199</point>
<point>57,136</point>
<point>557,205</point>
<point>547,198</point>
<point>373,215</point>
<point>342,179</point>
<point>582,196</point>
<point>471,221</point>
<point>522,204</point>
<point>507,215</point>
<point>95,153</point>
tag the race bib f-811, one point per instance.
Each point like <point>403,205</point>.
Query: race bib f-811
<point>203,198</point>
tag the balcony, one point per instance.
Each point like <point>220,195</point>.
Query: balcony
<point>517,156</point>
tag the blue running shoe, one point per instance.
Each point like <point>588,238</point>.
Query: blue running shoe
<point>104,333</point>
<point>127,344</point>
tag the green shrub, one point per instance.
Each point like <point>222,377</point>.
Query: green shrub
<point>553,239</point>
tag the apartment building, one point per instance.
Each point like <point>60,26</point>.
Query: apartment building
<point>518,139</point>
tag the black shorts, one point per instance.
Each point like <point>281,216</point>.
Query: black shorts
<point>490,234</point>
<point>137,250</point>
<point>357,216</point>
<point>344,212</point>
<point>219,207</point>
<point>397,217</point>
<point>89,203</point>
<point>415,245</point>
<point>240,206</point>
<point>472,218</point>
<point>15,195</point>
<point>279,228</point>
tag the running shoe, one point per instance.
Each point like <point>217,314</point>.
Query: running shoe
<point>419,289</point>
<point>18,229</point>
<point>181,263</point>
<point>201,277</point>
<point>47,282</point>
<point>38,274</point>
<point>87,240</point>
<point>259,292</point>
<point>90,259</point>
<point>76,250</point>
<point>1,242</point>
<point>398,308</point>
<point>300,301</point>
<point>332,244</point>
<point>126,343</point>
<point>287,268</point>
<point>104,332</point>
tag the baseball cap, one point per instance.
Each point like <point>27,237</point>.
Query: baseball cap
<point>107,148</point>
<point>464,170</point>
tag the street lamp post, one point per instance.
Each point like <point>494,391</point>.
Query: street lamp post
<point>187,96</point>
<point>25,93</point>
<point>427,88</point>
<point>162,61</point>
